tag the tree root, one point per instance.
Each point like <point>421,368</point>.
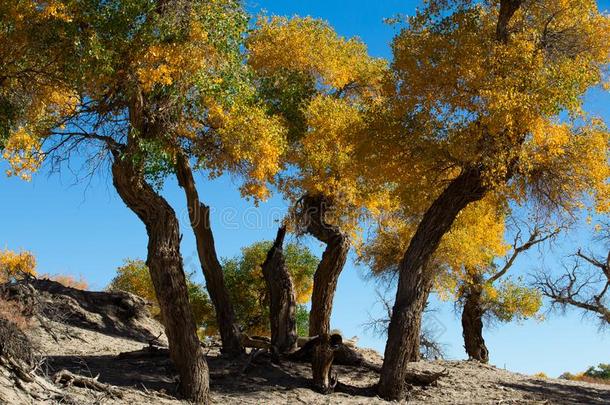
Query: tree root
<point>67,379</point>
<point>425,378</point>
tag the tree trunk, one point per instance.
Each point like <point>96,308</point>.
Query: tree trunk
<point>313,212</point>
<point>166,269</point>
<point>414,281</point>
<point>199,215</point>
<point>312,216</point>
<point>282,297</point>
<point>324,381</point>
<point>472,325</point>
<point>325,284</point>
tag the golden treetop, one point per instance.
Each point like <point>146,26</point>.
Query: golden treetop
<point>465,98</point>
<point>312,47</point>
<point>324,86</point>
<point>169,77</point>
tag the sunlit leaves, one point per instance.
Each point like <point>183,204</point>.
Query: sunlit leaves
<point>22,152</point>
<point>311,46</point>
<point>251,145</point>
<point>16,265</point>
<point>484,102</point>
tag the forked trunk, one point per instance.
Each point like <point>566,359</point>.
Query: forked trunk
<point>414,281</point>
<point>472,325</point>
<point>199,215</point>
<point>314,210</point>
<point>282,297</point>
<point>166,270</point>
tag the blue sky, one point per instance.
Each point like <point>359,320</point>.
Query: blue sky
<point>84,229</point>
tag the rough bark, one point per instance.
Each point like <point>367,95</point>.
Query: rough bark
<point>313,213</point>
<point>282,297</point>
<point>324,381</point>
<point>472,325</point>
<point>166,269</point>
<point>508,8</point>
<point>314,209</point>
<point>325,283</point>
<point>199,215</point>
<point>415,282</point>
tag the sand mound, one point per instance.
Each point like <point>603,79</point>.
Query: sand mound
<point>70,354</point>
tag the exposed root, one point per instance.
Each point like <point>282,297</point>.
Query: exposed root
<point>66,378</point>
<point>425,378</point>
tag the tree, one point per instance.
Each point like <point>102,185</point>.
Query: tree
<point>584,285</point>
<point>33,86</point>
<point>475,239</point>
<point>15,265</point>
<point>486,292</point>
<point>134,277</point>
<point>475,110</point>
<point>155,82</point>
<point>282,297</point>
<point>143,71</point>
<point>601,371</point>
<point>323,86</point>
<point>249,292</point>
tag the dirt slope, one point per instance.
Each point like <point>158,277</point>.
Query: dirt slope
<point>84,332</point>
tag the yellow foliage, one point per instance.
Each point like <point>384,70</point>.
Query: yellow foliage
<point>311,46</point>
<point>476,238</point>
<point>23,154</point>
<point>16,265</point>
<point>167,63</point>
<point>339,84</point>
<point>472,100</point>
<point>253,143</point>
<point>32,91</point>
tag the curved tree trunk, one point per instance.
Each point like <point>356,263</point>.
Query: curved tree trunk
<point>415,282</point>
<point>166,269</point>
<point>325,284</point>
<point>312,216</point>
<point>314,209</point>
<point>199,215</point>
<point>282,297</point>
<point>472,326</point>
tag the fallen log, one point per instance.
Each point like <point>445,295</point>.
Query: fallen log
<point>255,342</point>
<point>66,378</point>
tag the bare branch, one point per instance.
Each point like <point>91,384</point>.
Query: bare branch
<point>538,234</point>
<point>577,288</point>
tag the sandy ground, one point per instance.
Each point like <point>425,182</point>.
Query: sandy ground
<point>92,352</point>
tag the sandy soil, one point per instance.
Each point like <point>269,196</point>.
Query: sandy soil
<point>92,351</point>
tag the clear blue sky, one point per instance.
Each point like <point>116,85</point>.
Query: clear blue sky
<point>84,228</point>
